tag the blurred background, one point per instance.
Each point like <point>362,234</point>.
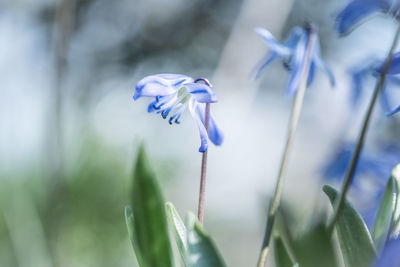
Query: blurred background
<point>69,129</point>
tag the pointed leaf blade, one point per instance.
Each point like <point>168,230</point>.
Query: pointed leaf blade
<point>384,216</point>
<point>282,258</point>
<point>395,229</point>
<point>131,232</point>
<point>354,238</point>
<point>150,224</point>
<point>179,230</point>
<point>201,249</point>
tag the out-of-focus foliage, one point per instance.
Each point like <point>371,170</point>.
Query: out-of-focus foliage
<point>76,223</point>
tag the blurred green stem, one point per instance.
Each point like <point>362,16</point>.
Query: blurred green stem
<point>202,192</point>
<point>294,119</point>
<point>351,170</point>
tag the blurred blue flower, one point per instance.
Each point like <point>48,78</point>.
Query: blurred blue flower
<point>374,68</point>
<point>359,10</point>
<point>360,74</point>
<point>336,166</point>
<point>293,51</point>
<point>376,165</point>
<point>395,110</point>
<point>390,255</point>
<point>173,93</point>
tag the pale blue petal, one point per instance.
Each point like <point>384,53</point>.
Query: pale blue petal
<point>264,63</point>
<point>357,78</point>
<point>393,79</point>
<point>159,85</point>
<point>385,98</point>
<point>354,13</point>
<point>273,44</point>
<point>294,36</point>
<point>320,63</point>
<point>390,113</point>
<point>311,74</point>
<point>395,65</point>
<point>214,132</point>
<point>298,63</point>
<point>202,92</point>
<point>202,130</point>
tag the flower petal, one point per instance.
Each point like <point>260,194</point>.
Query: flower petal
<point>159,85</point>
<point>354,13</point>
<point>297,67</point>
<point>264,63</point>
<point>394,66</point>
<point>385,99</point>
<point>202,130</point>
<point>215,134</point>
<point>320,63</point>
<point>311,74</point>
<point>390,113</point>
<point>273,44</point>
<point>357,78</point>
<point>295,34</point>
<point>202,92</point>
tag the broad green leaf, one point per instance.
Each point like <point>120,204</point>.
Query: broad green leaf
<point>179,230</point>
<point>395,229</point>
<point>201,250</point>
<point>383,220</point>
<point>282,258</point>
<point>131,232</point>
<point>315,247</point>
<point>354,238</point>
<point>150,224</point>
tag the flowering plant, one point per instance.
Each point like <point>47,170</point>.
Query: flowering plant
<point>355,244</point>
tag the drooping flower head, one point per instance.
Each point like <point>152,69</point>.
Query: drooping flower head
<point>173,93</point>
<point>293,52</point>
<point>362,71</point>
<point>357,11</point>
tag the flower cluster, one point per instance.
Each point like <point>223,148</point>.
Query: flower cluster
<point>293,52</point>
<point>173,93</point>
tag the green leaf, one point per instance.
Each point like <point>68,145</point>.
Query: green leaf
<point>395,228</point>
<point>282,258</point>
<point>131,232</point>
<point>354,238</point>
<point>314,247</point>
<point>150,224</point>
<point>383,220</point>
<point>179,230</point>
<point>201,250</point>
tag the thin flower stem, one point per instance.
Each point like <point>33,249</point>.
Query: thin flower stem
<point>203,170</point>
<point>351,170</point>
<point>294,119</point>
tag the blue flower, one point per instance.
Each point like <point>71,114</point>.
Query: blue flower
<point>390,255</point>
<point>374,167</point>
<point>374,68</point>
<point>173,93</point>
<point>377,165</point>
<point>359,10</point>
<point>293,52</point>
